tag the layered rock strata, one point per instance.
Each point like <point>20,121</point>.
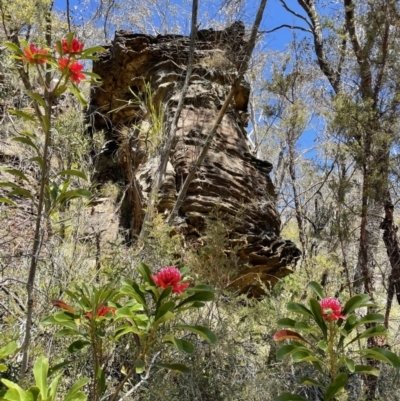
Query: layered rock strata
<point>142,78</point>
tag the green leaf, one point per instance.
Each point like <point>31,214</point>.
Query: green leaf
<point>23,115</point>
<point>367,370</point>
<point>286,350</point>
<point>370,318</point>
<point>57,367</point>
<point>317,288</point>
<point>27,141</point>
<point>89,51</point>
<point>14,48</point>
<point>350,364</point>
<point>8,201</point>
<point>145,272</point>
<point>201,331</point>
<point>381,354</point>
<point>291,397</point>
<point>176,367</point>
<point>286,322</point>
<point>78,345</point>
<point>308,381</point>
<point>204,296</point>
<point>371,332</point>
<point>133,290</point>
<point>79,95</point>
<point>72,194</point>
<point>21,192</point>
<point>33,393</point>
<point>67,332</point>
<point>53,388</point>
<point>75,173</point>
<point>299,308</point>
<point>74,393</point>
<point>335,386</point>
<point>179,344</point>
<point>3,368</point>
<point>15,392</point>
<point>322,345</point>
<point>8,349</point>
<point>38,160</point>
<point>15,172</point>
<point>101,379</point>
<point>166,293</point>
<point>355,302</point>
<point>140,366</point>
<point>317,314</point>
<point>163,309</point>
<point>125,329</point>
<point>36,97</point>
<point>40,370</point>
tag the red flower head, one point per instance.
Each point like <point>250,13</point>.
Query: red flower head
<point>170,276</point>
<point>63,63</point>
<point>75,46</point>
<point>331,309</point>
<point>101,311</point>
<point>75,72</point>
<point>33,55</point>
<point>74,69</point>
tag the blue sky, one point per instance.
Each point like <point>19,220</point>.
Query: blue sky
<point>274,16</point>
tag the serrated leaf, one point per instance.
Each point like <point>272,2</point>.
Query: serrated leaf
<point>176,367</point>
<point>201,331</point>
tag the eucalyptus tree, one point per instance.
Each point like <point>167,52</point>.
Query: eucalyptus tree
<point>356,47</point>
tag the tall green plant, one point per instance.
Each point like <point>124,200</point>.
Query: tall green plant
<point>57,70</point>
<point>328,335</point>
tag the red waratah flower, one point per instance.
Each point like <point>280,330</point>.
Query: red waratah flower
<point>74,47</point>
<point>63,63</point>
<point>331,309</point>
<point>101,311</point>
<point>75,72</point>
<point>170,276</point>
<point>34,55</point>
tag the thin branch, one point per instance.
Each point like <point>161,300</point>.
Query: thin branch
<point>285,6</point>
<point>288,26</point>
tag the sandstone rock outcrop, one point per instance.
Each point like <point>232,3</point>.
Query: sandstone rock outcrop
<point>142,79</point>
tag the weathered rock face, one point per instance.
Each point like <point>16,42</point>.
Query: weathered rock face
<point>141,70</point>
